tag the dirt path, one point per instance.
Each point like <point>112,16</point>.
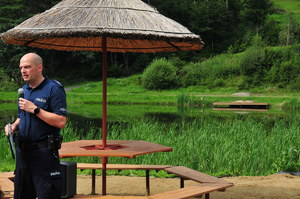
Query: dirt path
<point>278,186</point>
<point>71,87</point>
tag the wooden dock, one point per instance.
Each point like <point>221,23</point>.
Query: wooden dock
<point>241,105</point>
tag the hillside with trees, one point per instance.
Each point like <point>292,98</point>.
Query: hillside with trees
<point>249,43</point>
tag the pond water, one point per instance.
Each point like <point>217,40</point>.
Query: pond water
<point>223,142</point>
<point>83,114</point>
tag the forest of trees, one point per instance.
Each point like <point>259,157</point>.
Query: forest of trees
<point>222,24</point>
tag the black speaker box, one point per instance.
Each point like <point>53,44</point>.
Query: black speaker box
<point>69,173</point>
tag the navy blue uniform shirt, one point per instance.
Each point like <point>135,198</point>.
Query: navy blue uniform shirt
<point>50,96</point>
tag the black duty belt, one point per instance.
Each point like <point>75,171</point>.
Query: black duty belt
<point>34,145</point>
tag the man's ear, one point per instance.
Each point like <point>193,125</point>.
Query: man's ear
<point>40,67</point>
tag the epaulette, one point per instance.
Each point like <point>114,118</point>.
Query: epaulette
<point>58,83</point>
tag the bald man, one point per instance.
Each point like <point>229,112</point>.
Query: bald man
<point>41,114</point>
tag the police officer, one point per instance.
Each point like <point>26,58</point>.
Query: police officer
<point>41,115</point>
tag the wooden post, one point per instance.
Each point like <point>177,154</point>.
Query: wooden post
<point>104,110</point>
<point>104,90</point>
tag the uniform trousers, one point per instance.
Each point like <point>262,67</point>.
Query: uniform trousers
<point>38,173</point>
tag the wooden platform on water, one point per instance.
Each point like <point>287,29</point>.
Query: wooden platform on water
<point>241,106</point>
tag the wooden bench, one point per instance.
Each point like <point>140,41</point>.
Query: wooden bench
<point>189,174</point>
<point>6,185</point>
<point>189,192</point>
<point>208,183</point>
<point>119,167</point>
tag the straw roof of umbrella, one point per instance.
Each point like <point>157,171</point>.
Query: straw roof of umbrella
<point>129,25</point>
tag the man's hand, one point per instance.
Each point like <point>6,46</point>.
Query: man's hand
<point>52,119</point>
<point>26,105</point>
<point>10,128</point>
<point>7,130</point>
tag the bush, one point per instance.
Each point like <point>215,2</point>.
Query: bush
<point>160,74</point>
<point>222,66</point>
<point>253,64</point>
<point>293,104</point>
<point>219,83</point>
<point>192,75</point>
<point>295,85</point>
<point>285,67</point>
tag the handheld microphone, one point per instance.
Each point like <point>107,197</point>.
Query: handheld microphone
<point>21,92</point>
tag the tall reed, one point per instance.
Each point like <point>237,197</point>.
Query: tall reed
<point>240,145</point>
<point>7,162</point>
<point>293,104</point>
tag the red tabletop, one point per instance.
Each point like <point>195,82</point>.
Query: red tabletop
<point>115,148</point>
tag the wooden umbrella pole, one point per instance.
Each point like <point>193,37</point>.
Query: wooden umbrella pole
<point>104,90</point>
<point>104,110</point>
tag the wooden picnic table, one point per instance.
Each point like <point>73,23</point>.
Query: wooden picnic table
<point>114,148</point>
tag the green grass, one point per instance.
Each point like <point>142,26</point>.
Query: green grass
<point>129,91</point>
<point>288,5</point>
<point>123,91</point>
<point>6,163</point>
<point>292,6</point>
<point>7,97</point>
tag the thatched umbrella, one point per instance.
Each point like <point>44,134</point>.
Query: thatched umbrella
<point>103,25</point>
<point>129,25</point>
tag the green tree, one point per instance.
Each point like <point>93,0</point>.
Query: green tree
<point>11,14</point>
<point>255,12</point>
<point>290,34</point>
<point>270,32</point>
<point>33,7</point>
<point>7,84</point>
<point>219,22</point>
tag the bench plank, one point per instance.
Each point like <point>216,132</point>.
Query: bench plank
<point>6,184</point>
<point>6,188</point>
<point>109,197</point>
<point>9,175</point>
<point>122,166</point>
<point>197,176</point>
<point>189,192</point>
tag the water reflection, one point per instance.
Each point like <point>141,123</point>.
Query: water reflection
<point>83,115</point>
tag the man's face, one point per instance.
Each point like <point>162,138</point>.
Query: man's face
<point>29,70</point>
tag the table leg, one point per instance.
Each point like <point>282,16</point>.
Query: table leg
<point>181,182</point>
<point>93,181</point>
<point>104,162</point>
<point>148,182</point>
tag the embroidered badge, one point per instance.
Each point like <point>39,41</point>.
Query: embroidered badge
<point>56,173</point>
<point>41,100</point>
